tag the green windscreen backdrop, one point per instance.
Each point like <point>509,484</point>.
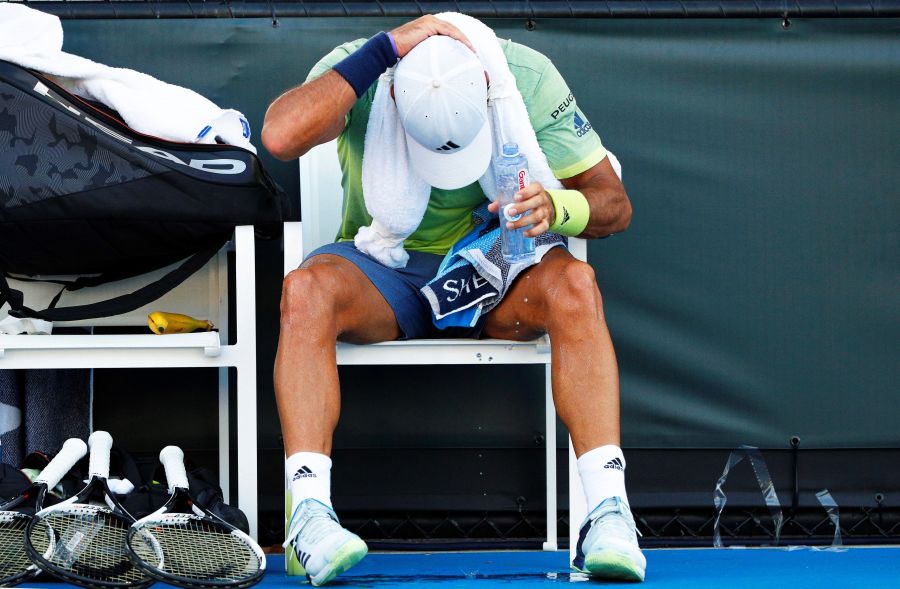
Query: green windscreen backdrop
<point>755,295</point>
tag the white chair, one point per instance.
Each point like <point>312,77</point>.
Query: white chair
<point>203,295</point>
<point>320,201</point>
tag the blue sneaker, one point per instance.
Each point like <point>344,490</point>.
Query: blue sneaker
<point>323,547</point>
<point>608,546</point>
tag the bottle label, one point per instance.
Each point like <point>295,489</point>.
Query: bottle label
<point>522,179</point>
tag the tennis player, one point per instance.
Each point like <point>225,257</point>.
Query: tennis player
<point>342,294</point>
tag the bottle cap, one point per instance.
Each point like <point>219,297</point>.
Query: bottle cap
<point>510,149</point>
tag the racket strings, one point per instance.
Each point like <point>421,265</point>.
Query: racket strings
<point>88,543</point>
<point>196,549</point>
<point>13,559</point>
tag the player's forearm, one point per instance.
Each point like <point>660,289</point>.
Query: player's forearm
<point>610,209</point>
<point>307,115</point>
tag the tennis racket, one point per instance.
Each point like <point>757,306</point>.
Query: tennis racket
<point>183,545</point>
<point>82,539</point>
<point>15,566</point>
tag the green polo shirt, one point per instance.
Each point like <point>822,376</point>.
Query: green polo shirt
<point>563,133</point>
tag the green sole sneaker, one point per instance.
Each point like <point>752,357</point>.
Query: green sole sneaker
<point>343,560</point>
<point>612,565</point>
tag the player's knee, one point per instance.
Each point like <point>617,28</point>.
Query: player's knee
<point>308,296</point>
<point>576,295</point>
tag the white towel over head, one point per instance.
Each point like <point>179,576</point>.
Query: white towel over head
<point>395,196</point>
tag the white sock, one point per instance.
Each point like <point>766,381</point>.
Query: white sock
<point>602,473</point>
<point>309,477</point>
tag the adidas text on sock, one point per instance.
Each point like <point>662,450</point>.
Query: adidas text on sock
<point>308,477</point>
<point>602,473</point>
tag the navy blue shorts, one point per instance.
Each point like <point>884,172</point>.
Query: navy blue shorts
<point>400,288</point>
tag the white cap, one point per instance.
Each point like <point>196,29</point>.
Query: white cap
<point>441,96</point>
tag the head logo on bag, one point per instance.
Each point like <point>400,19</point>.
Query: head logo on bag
<point>215,166</point>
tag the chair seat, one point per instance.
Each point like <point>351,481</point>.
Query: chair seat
<point>446,351</point>
<point>209,341</point>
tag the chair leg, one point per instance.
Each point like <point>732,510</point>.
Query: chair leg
<point>550,445</point>
<point>224,436</point>
<point>246,443</point>
<point>577,502</point>
<point>245,362</point>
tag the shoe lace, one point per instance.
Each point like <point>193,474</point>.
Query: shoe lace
<point>616,519</point>
<point>314,522</point>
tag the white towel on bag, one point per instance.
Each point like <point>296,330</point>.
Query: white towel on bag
<point>34,40</point>
<point>395,197</point>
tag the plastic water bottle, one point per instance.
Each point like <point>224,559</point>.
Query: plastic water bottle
<point>511,170</point>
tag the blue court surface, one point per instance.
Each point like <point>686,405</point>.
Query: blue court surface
<point>871,568</point>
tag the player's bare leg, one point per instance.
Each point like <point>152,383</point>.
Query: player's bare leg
<point>559,296</point>
<point>326,299</point>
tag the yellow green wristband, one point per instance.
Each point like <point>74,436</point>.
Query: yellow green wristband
<point>572,212</point>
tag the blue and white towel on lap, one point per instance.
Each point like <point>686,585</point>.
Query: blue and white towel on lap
<point>474,277</point>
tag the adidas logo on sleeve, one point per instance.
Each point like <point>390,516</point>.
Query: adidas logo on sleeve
<point>616,464</point>
<point>581,125</point>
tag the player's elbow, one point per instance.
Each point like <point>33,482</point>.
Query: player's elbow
<point>625,217</point>
<point>275,142</point>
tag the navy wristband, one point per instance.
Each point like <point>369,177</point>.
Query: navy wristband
<point>362,67</point>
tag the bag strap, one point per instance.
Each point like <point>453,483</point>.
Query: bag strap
<point>14,297</point>
<point>115,306</point>
<point>80,282</point>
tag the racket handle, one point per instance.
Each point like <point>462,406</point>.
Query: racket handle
<point>172,459</point>
<point>100,444</point>
<point>72,451</point>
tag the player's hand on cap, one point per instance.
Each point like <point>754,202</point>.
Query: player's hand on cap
<point>534,199</point>
<point>414,32</point>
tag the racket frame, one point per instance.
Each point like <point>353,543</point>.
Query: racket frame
<point>95,492</point>
<point>181,505</point>
<point>72,451</point>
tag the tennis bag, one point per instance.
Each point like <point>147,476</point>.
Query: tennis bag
<point>153,492</point>
<point>13,481</point>
<point>81,193</point>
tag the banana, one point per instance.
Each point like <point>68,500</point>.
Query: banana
<point>162,323</point>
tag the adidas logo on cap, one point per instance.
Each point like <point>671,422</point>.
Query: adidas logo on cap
<point>449,146</point>
<point>616,464</point>
<point>304,472</point>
